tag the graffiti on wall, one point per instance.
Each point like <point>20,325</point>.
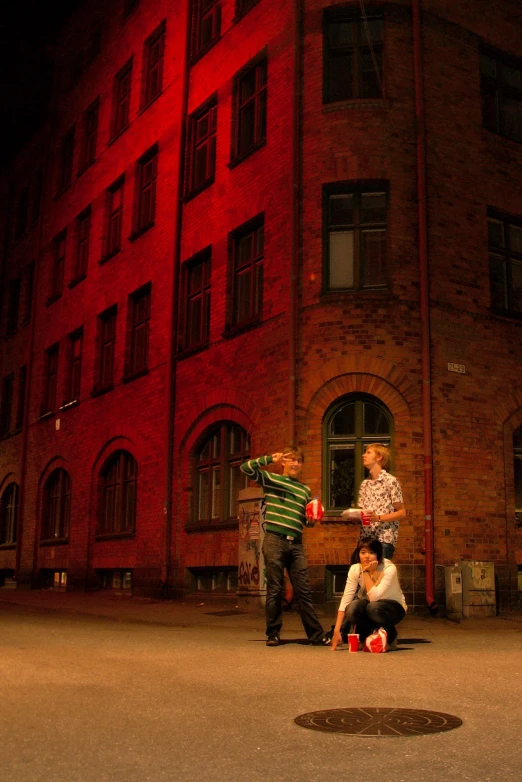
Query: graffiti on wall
<point>251,571</point>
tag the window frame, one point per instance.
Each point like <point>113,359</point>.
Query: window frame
<point>56,515</point>
<point>74,367</point>
<point>113,219</point>
<point>106,354</point>
<point>115,527</point>
<point>195,144</point>
<point>6,405</point>
<point>83,239</point>
<point>252,227</point>
<point>21,395</point>
<point>499,91</point>
<point>198,47</point>
<point>50,377</point>
<point>121,100</point>
<point>89,135</point>
<point>153,68</point>
<point>203,292</point>
<point>9,508</point>
<point>511,258</point>
<point>58,266</point>
<point>137,353</point>
<point>146,177</point>
<point>260,114</point>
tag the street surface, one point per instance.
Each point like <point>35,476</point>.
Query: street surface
<point>181,693</point>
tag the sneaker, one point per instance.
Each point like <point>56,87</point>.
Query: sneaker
<point>273,640</point>
<point>391,646</point>
<point>324,641</point>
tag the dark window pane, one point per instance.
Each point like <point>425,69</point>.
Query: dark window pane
<point>375,420</point>
<point>340,73</point>
<point>373,259</point>
<point>498,281</point>
<point>342,480</point>
<point>344,421</point>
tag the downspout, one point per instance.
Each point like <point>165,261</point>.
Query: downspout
<point>170,538</point>
<point>424,311</point>
<point>296,215</point>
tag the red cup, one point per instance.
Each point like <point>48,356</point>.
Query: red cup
<point>365,518</point>
<point>353,642</point>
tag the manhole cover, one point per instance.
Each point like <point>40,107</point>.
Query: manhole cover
<point>379,722</point>
<point>224,613</point>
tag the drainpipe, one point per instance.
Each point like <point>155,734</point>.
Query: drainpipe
<point>170,538</point>
<point>424,310</point>
<point>296,215</point>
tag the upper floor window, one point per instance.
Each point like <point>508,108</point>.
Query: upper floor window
<point>56,506</point>
<point>202,147</point>
<point>517,454</point>
<point>114,218</point>
<point>6,404</point>
<point>9,515</point>
<point>206,24</point>
<point>501,89</point>
<point>351,424</point>
<point>353,45</point>
<point>153,53</point>
<point>195,304</point>
<point>22,390</point>
<point>250,102</point>
<point>27,293</point>
<point>83,233</point>
<point>66,161</point>
<point>74,367</point>
<point>13,306</point>
<point>50,379</point>
<point>58,266</point>
<point>121,99</point>
<point>247,255</point>
<point>505,263</point>
<point>218,478</point>
<point>146,174</point>
<point>107,345</point>
<point>118,489</point>
<point>90,133</point>
<point>355,238</point>
<point>138,347</point>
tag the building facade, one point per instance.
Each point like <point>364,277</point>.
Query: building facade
<point>251,223</point>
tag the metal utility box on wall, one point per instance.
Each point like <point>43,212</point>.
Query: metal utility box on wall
<point>453,583</point>
<point>251,573</point>
<point>478,589</point>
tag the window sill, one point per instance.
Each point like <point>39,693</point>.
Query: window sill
<point>135,375</point>
<point>118,134</point>
<point>149,103</point>
<point>54,542</point>
<point>355,103</point>
<point>101,536</point>
<point>110,255</point>
<point>510,316</point>
<point>195,58</point>
<point>209,526</point>
<point>140,231</point>
<point>234,331</point>
<point>76,281</point>
<point>62,192</point>
<point>68,405</point>
<point>244,11</point>
<point>52,299</point>
<point>341,293</point>
<point>85,167</point>
<point>7,546</point>
<point>240,158</point>
<point>45,416</point>
<point>103,390</point>
<point>5,436</point>
<point>191,351</point>
<point>197,190</point>
<point>500,136</point>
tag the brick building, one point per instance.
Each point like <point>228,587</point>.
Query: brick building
<point>245,223</point>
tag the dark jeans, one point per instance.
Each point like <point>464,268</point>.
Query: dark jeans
<point>279,554</point>
<point>368,617</point>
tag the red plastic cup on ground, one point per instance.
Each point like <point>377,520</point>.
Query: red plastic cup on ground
<point>366,518</point>
<point>353,642</point>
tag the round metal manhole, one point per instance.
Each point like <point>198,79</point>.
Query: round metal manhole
<point>379,722</point>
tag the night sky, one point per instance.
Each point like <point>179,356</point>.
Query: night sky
<point>27,28</point>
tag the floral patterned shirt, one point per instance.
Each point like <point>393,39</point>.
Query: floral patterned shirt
<point>380,496</point>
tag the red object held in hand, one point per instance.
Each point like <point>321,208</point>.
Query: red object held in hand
<point>314,510</point>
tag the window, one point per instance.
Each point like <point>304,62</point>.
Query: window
<point>27,293</point>
<point>58,266</point>
<point>114,218</point>
<point>66,161</point>
<point>9,515</point>
<point>501,90</point>
<point>90,133</point>
<point>505,263</point>
<point>146,173</point>
<point>247,253</point>
<point>121,98</point>
<point>128,7</point>
<point>118,484</point>
<point>202,148</point>
<point>206,25</point>
<point>56,506</point>
<point>355,238</point>
<point>353,45</point>
<point>107,337</point>
<point>6,404</point>
<point>195,321</point>
<point>218,478</point>
<point>250,91</point>
<point>50,380</point>
<point>153,65</point>
<point>517,453</point>
<point>83,232</point>
<point>22,214</point>
<point>13,306</point>
<point>350,425</point>
<point>74,368</point>
<point>22,388</point>
<point>139,311</point>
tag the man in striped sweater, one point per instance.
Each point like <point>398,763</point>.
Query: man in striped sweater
<point>286,499</point>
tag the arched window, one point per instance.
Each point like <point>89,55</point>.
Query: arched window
<point>56,507</point>
<point>351,424</point>
<point>217,475</point>
<point>517,454</point>
<point>9,515</point>
<point>118,483</point>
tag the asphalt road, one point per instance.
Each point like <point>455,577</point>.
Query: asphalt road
<point>86,698</point>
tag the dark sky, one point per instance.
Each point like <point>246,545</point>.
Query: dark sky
<point>28,26</point>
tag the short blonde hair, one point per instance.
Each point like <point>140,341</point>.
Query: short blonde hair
<point>381,450</point>
<point>293,450</point>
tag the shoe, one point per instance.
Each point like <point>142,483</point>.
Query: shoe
<point>273,640</point>
<point>324,641</point>
<point>391,646</point>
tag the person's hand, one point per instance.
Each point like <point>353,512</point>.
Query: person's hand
<point>371,567</point>
<point>374,518</point>
<point>277,458</point>
<point>336,639</point>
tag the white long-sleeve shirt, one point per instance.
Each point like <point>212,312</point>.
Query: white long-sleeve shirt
<point>387,589</point>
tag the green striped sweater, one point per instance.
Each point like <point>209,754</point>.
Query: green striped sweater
<point>285,498</point>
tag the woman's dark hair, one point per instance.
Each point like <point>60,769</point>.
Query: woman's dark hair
<point>372,545</point>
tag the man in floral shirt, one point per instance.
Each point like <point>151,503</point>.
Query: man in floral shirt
<point>381,494</point>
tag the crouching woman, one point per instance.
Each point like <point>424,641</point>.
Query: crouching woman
<point>379,601</point>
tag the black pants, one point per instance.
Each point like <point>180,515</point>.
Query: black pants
<point>279,554</point>
<point>368,617</point>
